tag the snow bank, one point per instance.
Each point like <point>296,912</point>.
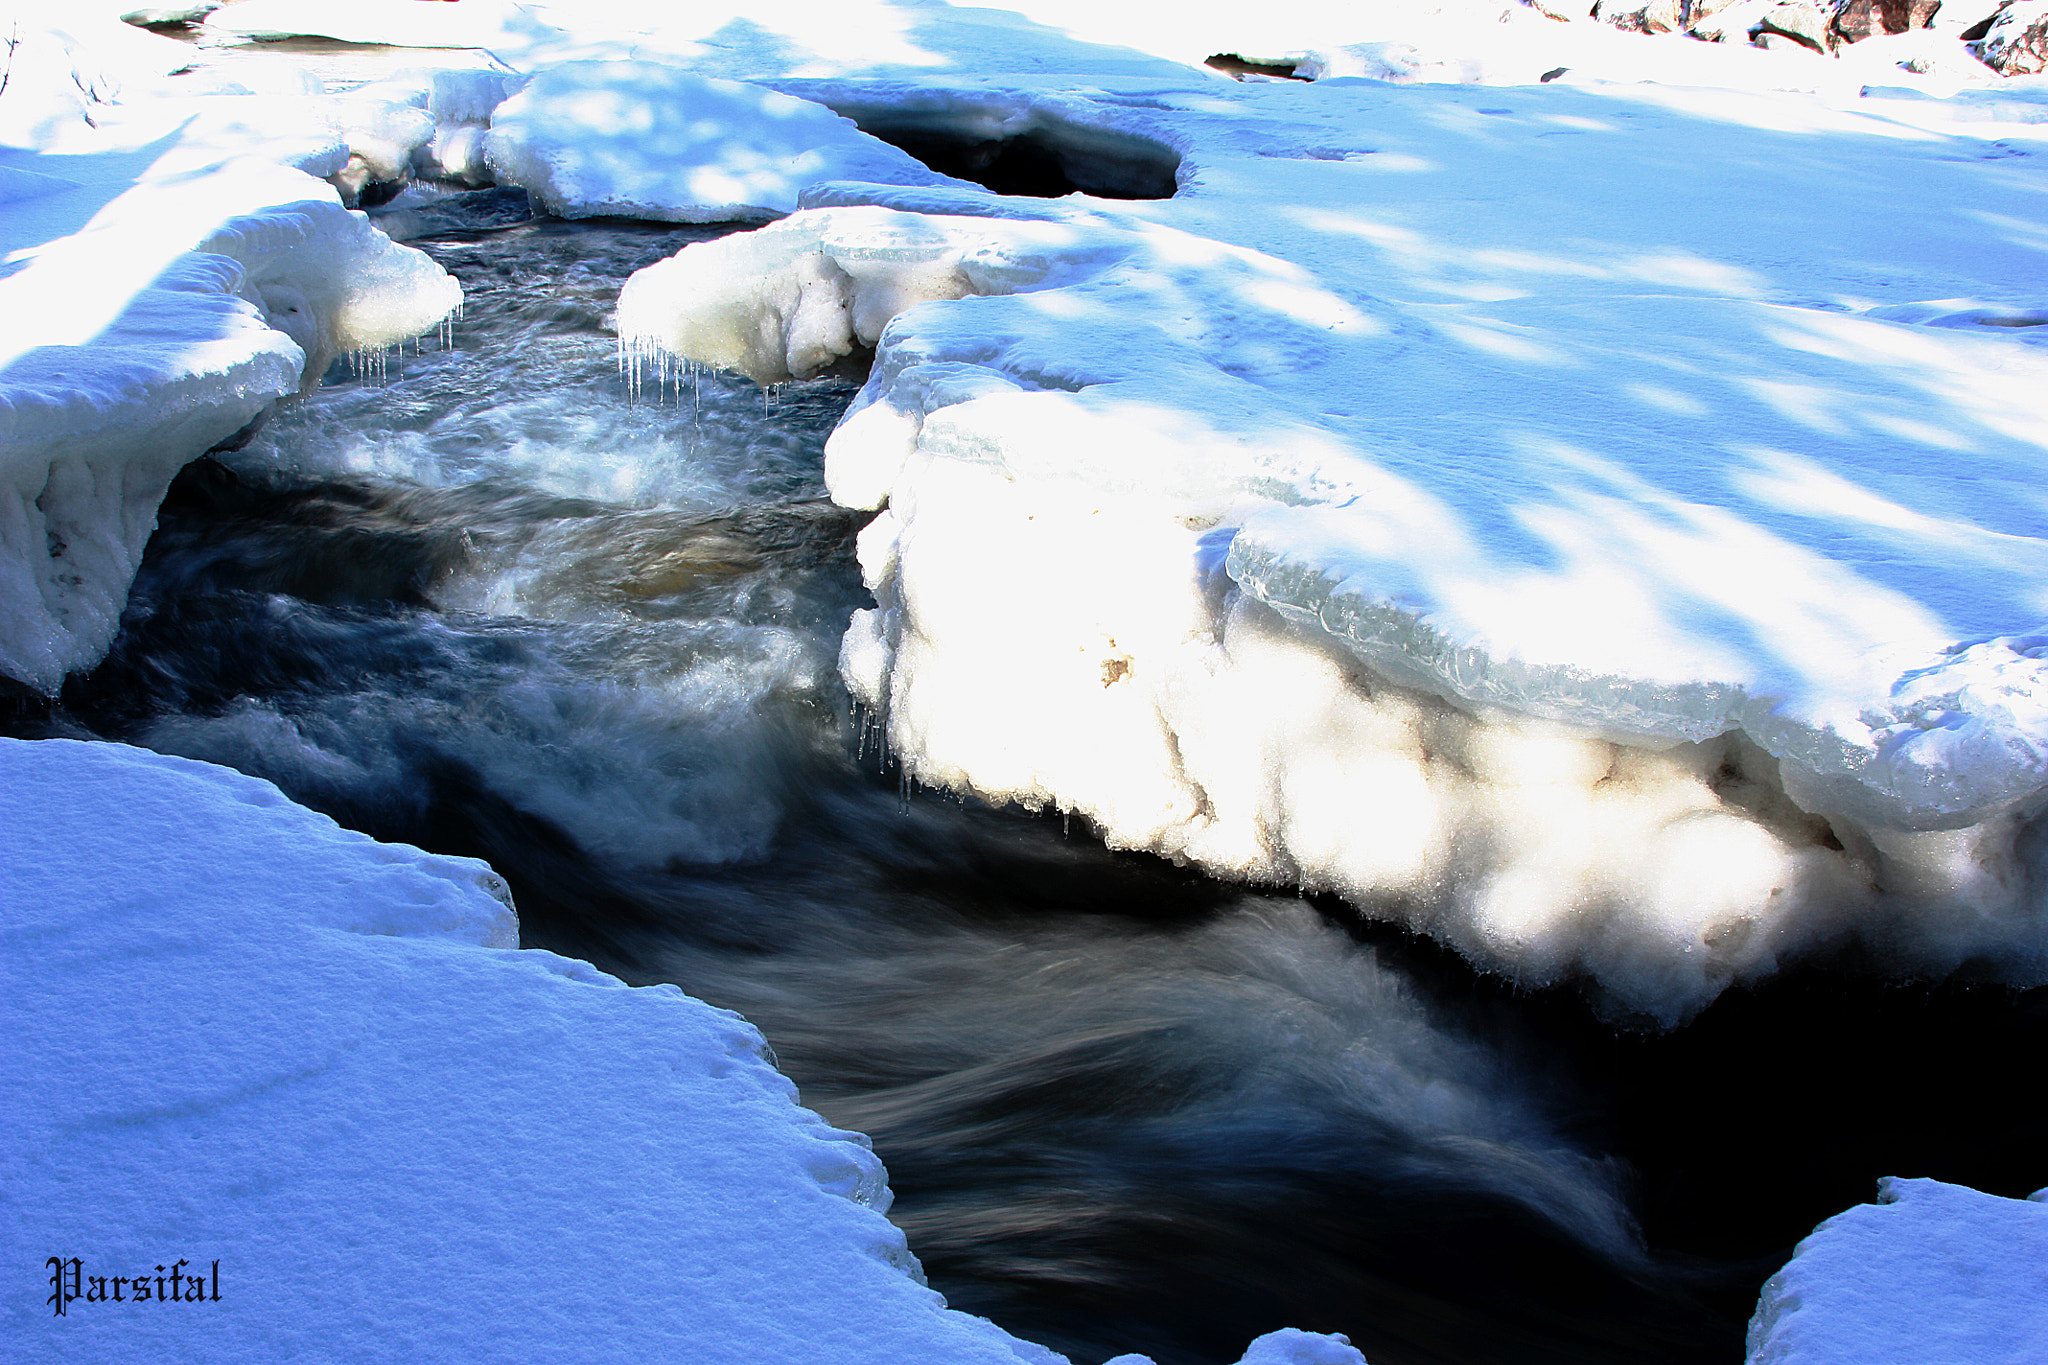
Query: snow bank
<point>1929,1274</point>
<point>162,285</point>
<point>636,139</point>
<point>170,317</point>
<point>1611,586</point>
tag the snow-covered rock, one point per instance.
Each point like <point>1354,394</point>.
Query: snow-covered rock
<point>1930,1274</point>
<point>2017,42</point>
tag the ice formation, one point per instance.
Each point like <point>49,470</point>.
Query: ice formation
<point>641,140</point>
<point>1315,547</point>
<point>164,285</point>
<point>1929,1274</point>
<point>169,319</point>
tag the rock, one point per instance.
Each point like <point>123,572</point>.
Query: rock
<point>1657,16</point>
<point>2017,42</point>
<point>1855,20</point>
<point>1722,21</point>
<point>1802,21</point>
<point>1973,30</point>
<point>1564,11</point>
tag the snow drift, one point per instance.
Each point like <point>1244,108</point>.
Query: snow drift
<point>321,1065</point>
<point>1930,1273</point>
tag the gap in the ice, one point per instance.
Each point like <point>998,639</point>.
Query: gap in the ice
<point>1238,67</point>
<point>1046,158</point>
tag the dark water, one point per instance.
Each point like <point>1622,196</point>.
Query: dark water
<point>493,603</point>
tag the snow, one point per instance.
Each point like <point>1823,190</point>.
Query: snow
<point>322,1064</point>
<point>641,140</point>
<point>1929,1274</point>
<point>1594,519</point>
<point>162,285</point>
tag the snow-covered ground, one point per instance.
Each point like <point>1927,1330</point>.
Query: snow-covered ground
<point>1927,1275</point>
<point>1573,490</point>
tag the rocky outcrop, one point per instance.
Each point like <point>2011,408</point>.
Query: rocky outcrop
<point>2016,44</point>
<point>1799,21</point>
<point>1657,16</point>
<point>2011,35</point>
<point>1855,20</point>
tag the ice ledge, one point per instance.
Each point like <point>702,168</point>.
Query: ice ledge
<point>1957,735</point>
<point>149,317</point>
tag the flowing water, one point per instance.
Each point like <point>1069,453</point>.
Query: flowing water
<point>485,597</point>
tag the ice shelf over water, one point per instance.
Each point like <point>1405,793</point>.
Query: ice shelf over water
<point>1597,523</point>
<point>171,268</point>
<point>642,140</point>
<point>1930,1274</point>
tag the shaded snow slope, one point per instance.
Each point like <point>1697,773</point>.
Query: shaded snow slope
<point>1928,1275</point>
<point>321,1063</point>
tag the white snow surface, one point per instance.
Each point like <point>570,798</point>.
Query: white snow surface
<point>1930,1274</point>
<point>249,1038</point>
<point>643,140</point>
<point>169,267</point>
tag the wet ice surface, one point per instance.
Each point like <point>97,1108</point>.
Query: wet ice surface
<point>489,600</point>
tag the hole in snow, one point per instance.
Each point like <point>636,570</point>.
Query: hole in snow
<point>1044,157</point>
<point>1238,67</point>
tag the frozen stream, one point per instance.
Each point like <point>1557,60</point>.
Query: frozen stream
<point>488,599</point>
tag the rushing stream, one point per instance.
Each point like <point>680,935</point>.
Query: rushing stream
<point>486,599</point>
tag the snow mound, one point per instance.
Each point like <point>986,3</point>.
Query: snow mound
<point>642,140</point>
<point>150,317</point>
<point>1928,1275</point>
<point>346,1036</point>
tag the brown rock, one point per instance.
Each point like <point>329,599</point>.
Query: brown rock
<point>1855,20</point>
<point>1802,21</point>
<point>2017,44</point>
<point>1656,16</point>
